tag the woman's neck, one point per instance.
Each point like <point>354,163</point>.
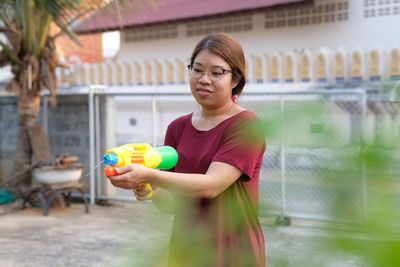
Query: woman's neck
<point>225,111</point>
<point>206,119</point>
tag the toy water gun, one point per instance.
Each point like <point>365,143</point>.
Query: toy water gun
<point>164,157</point>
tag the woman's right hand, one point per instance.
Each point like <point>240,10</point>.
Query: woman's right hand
<point>131,176</point>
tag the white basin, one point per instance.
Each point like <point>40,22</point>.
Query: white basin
<point>56,176</point>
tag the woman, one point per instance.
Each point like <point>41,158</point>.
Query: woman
<point>213,189</point>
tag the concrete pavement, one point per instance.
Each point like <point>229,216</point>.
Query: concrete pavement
<point>135,234</point>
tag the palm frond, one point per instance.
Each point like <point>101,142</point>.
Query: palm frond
<point>65,29</point>
<point>43,32</point>
<point>11,55</point>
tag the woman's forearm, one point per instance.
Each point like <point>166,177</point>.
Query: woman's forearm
<point>218,177</point>
<point>184,184</point>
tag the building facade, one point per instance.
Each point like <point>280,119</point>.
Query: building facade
<point>321,41</point>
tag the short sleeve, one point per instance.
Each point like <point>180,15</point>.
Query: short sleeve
<point>168,139</point>
<point>243,145</point>
<point>174,131</point>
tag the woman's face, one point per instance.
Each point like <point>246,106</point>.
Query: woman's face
<point>211,80</point>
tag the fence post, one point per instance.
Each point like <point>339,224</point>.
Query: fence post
<point>92,152</point>
<point>362,143</point>
<point>283,219</point>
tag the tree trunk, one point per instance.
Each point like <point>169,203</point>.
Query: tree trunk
<point>22,162</point>
<point>32,146</point>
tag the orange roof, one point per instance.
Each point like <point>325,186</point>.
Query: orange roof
<point>91,52</point>
<point>173,10</point>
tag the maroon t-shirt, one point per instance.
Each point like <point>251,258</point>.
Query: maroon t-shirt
<point>223,231</point>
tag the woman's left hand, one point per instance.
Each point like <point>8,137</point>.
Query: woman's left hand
<point>131,176</point>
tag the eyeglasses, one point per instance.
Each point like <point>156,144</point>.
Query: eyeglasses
<point>214,73</point>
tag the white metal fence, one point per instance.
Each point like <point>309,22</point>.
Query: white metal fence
<point>310,168</point>
<point>310,135</point>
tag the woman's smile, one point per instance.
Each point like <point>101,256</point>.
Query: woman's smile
<point>203,91</point>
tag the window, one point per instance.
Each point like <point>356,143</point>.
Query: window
<point>228,23</point>
<point>150,33</point>
<point>292,16</point>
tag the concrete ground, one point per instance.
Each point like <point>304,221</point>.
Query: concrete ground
<point>136,234</point>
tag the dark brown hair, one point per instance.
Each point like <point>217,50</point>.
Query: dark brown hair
<point>224,46</point>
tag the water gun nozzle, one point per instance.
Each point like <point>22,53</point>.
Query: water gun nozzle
<point>110,159</point>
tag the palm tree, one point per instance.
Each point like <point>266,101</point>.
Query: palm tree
<point>29,48</point>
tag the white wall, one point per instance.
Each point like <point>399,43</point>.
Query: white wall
<point>357,31</point>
